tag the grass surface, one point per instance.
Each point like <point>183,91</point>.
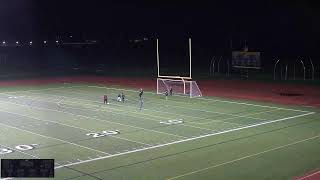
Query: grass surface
<point>218,139</point>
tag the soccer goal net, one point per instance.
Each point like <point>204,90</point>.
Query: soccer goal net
<point>178,86</point>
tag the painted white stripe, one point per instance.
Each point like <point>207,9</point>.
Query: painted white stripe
<point>318,172</point>
<point>244,157</point>
<point>185,140</point>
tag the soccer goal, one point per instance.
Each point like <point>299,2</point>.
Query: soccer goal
<point>178,86</point>
<point>182,85</point>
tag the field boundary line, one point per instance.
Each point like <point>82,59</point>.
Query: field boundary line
<point>48,137</point>
<point>67,125</point>
<point>317,172</point>
<point>245,157</point>
<point>208,99</point>
<point>185,140</point>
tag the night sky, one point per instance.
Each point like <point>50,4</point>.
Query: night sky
<point>273,27</point>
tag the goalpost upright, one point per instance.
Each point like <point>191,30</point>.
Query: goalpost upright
<point>179,77</point>
<point>166,80</point>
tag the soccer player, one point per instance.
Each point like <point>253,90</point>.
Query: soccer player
<point>105,99</point>
<point>141,104</point>
<point>170,93</point>
<point>122,97</point>
<point>166,94</point>
<point>140,93</point>
<point>119,98</point>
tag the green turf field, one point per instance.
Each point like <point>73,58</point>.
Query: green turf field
<point>178,138</point>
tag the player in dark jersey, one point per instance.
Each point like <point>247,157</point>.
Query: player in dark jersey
<point>140,93</point>
<point>105,99</point>
<point>170,92</point>
<point>122,97</point>
<point>119,98</point>
<point>166,94</point>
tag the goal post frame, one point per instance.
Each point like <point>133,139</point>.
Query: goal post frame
<point>186,84</point>
<point>166,76</point>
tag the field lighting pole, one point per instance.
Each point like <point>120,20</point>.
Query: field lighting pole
<point>312,68</point>
<point>274,69</point>
<point>304,70</point>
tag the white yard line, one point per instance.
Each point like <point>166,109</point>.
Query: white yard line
<point>185,140</point>
<point>318,172</point>
<point>244,157</point>
<point>98,119</point>
<point>67,125</point>
<point>48,137</point>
